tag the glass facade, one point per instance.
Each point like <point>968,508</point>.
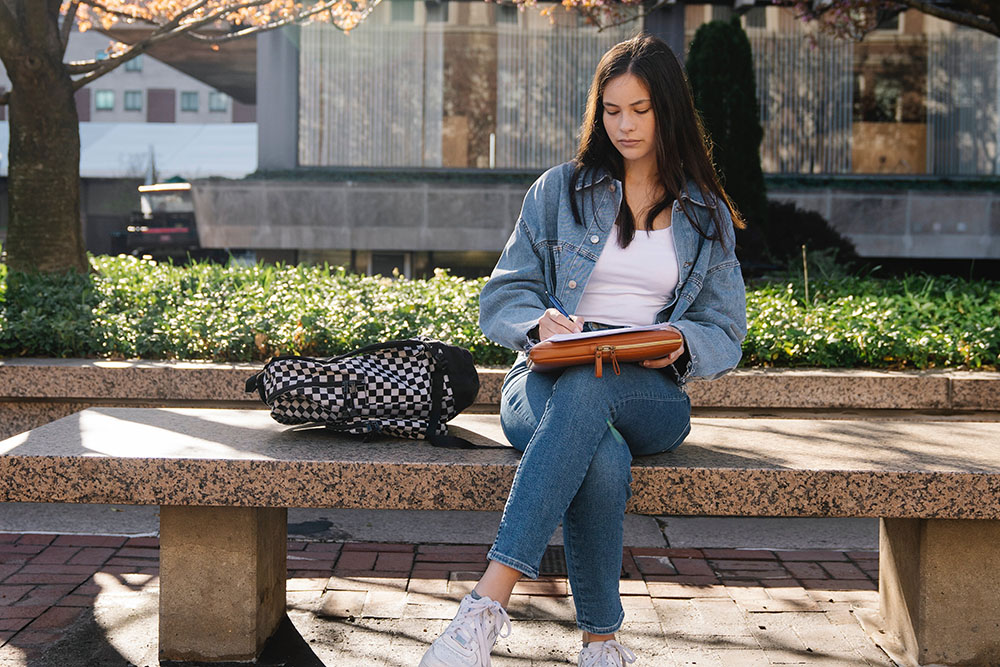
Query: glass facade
<point>460,85</point>
<point>480,85</point>
<point>917,96</point>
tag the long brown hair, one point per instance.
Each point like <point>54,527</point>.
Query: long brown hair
<point>683,151</point>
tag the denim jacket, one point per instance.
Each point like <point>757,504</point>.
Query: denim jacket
<point>709,304</point>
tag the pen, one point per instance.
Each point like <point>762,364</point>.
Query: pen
<point>554,302</point>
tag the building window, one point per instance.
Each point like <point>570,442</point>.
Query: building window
<point>189,101</point>
<point>218,101</point>
<point>437,12</point>
<point>104,100</point>
<point>403,11</point>
<point>756,17</point>
<point>888,21</point>
<point>507,14</point>
<point>133,100</point>
<point>134,65</point>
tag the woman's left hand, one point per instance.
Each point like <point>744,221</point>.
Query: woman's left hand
<point>663,362</point>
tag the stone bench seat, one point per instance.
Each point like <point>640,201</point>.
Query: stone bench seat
<point>224,479</point>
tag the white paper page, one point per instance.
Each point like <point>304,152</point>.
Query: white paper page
<point>606,332</point>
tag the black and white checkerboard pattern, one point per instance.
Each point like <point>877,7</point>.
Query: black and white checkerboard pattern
<point>388,391</point>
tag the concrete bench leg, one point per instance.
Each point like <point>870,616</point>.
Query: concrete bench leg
<point>222,581</point>
<point>939,589</point>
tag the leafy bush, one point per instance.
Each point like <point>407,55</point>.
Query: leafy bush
<point>129,308</point>
<point>134,308</point>
<point>47,315</point>
<point>916,322</point>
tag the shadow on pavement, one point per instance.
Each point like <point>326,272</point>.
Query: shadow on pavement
<point>286,648</point>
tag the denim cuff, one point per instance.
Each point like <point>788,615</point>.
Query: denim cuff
<point>602,630</point>
<point>681,369</point>
<point>523,568</point>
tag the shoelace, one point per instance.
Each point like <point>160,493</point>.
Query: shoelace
<point>479,613</point>
<point>595,654</point>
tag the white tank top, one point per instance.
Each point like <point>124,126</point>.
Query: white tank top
<point>630,285</point>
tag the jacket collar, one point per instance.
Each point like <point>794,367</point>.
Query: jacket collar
<point>591,177</point>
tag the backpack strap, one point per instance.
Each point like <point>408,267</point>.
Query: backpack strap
<point>256,383</point>
<point>437,398</point>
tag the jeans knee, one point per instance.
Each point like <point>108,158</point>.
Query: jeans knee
<point>516,428</point>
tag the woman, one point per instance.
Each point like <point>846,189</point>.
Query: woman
<point>643,234</point>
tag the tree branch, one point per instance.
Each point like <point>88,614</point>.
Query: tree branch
<point>98,68</point>
<point>67,25</point>
<point>954,16</point>
<point>635,17</point>
<point>101,7</point>
<point>82,66</point>
<point>173,28</point>
<point>120,14</point>
<point>219,39</point>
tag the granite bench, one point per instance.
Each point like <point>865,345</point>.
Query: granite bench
<point>224,479</point>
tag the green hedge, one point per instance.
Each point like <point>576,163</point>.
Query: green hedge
<point>914,322</point>
<point>129,308</point>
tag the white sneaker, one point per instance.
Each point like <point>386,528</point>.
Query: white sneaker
<point>605,654</point>
<point>469,638</point>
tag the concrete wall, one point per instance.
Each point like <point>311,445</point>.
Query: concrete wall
<point>278,111</point>
<point>439,216</point>
<point>910,223</point>
<point>358,216</point>
<point>36,391</point>
<point>479,216</point>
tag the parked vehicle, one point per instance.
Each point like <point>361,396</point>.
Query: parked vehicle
<point>164,227</point>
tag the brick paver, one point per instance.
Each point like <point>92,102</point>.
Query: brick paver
<point>684,606</point>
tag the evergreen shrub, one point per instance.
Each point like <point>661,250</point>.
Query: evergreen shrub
<point>720,70</point>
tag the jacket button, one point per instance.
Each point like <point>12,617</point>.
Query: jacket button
<point>612,187</point>
<point>572,284</point>
<point>595,238</point>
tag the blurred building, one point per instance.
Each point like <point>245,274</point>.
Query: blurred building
<point>146,120</point>
<point>145,90</point>
<point>410,141</point>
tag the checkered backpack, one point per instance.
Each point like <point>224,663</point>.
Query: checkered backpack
<point>406,388</point>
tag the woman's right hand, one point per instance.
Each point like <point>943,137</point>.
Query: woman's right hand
<point>553,322</point>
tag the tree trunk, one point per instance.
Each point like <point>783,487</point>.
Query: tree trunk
<point>45,232</point>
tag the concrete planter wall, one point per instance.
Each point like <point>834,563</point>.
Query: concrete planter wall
<point>431,215</point>
<point>36,391</point>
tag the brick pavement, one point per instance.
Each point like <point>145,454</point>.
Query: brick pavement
<point>683,606</point>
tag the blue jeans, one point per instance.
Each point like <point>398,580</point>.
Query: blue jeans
<point>577,470</point>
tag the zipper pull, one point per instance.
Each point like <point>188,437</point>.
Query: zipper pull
<point>598,358</point>
<point>614,362</point>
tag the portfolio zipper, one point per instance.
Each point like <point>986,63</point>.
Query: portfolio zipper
<point>601,349</point>
<point>609,348</point>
